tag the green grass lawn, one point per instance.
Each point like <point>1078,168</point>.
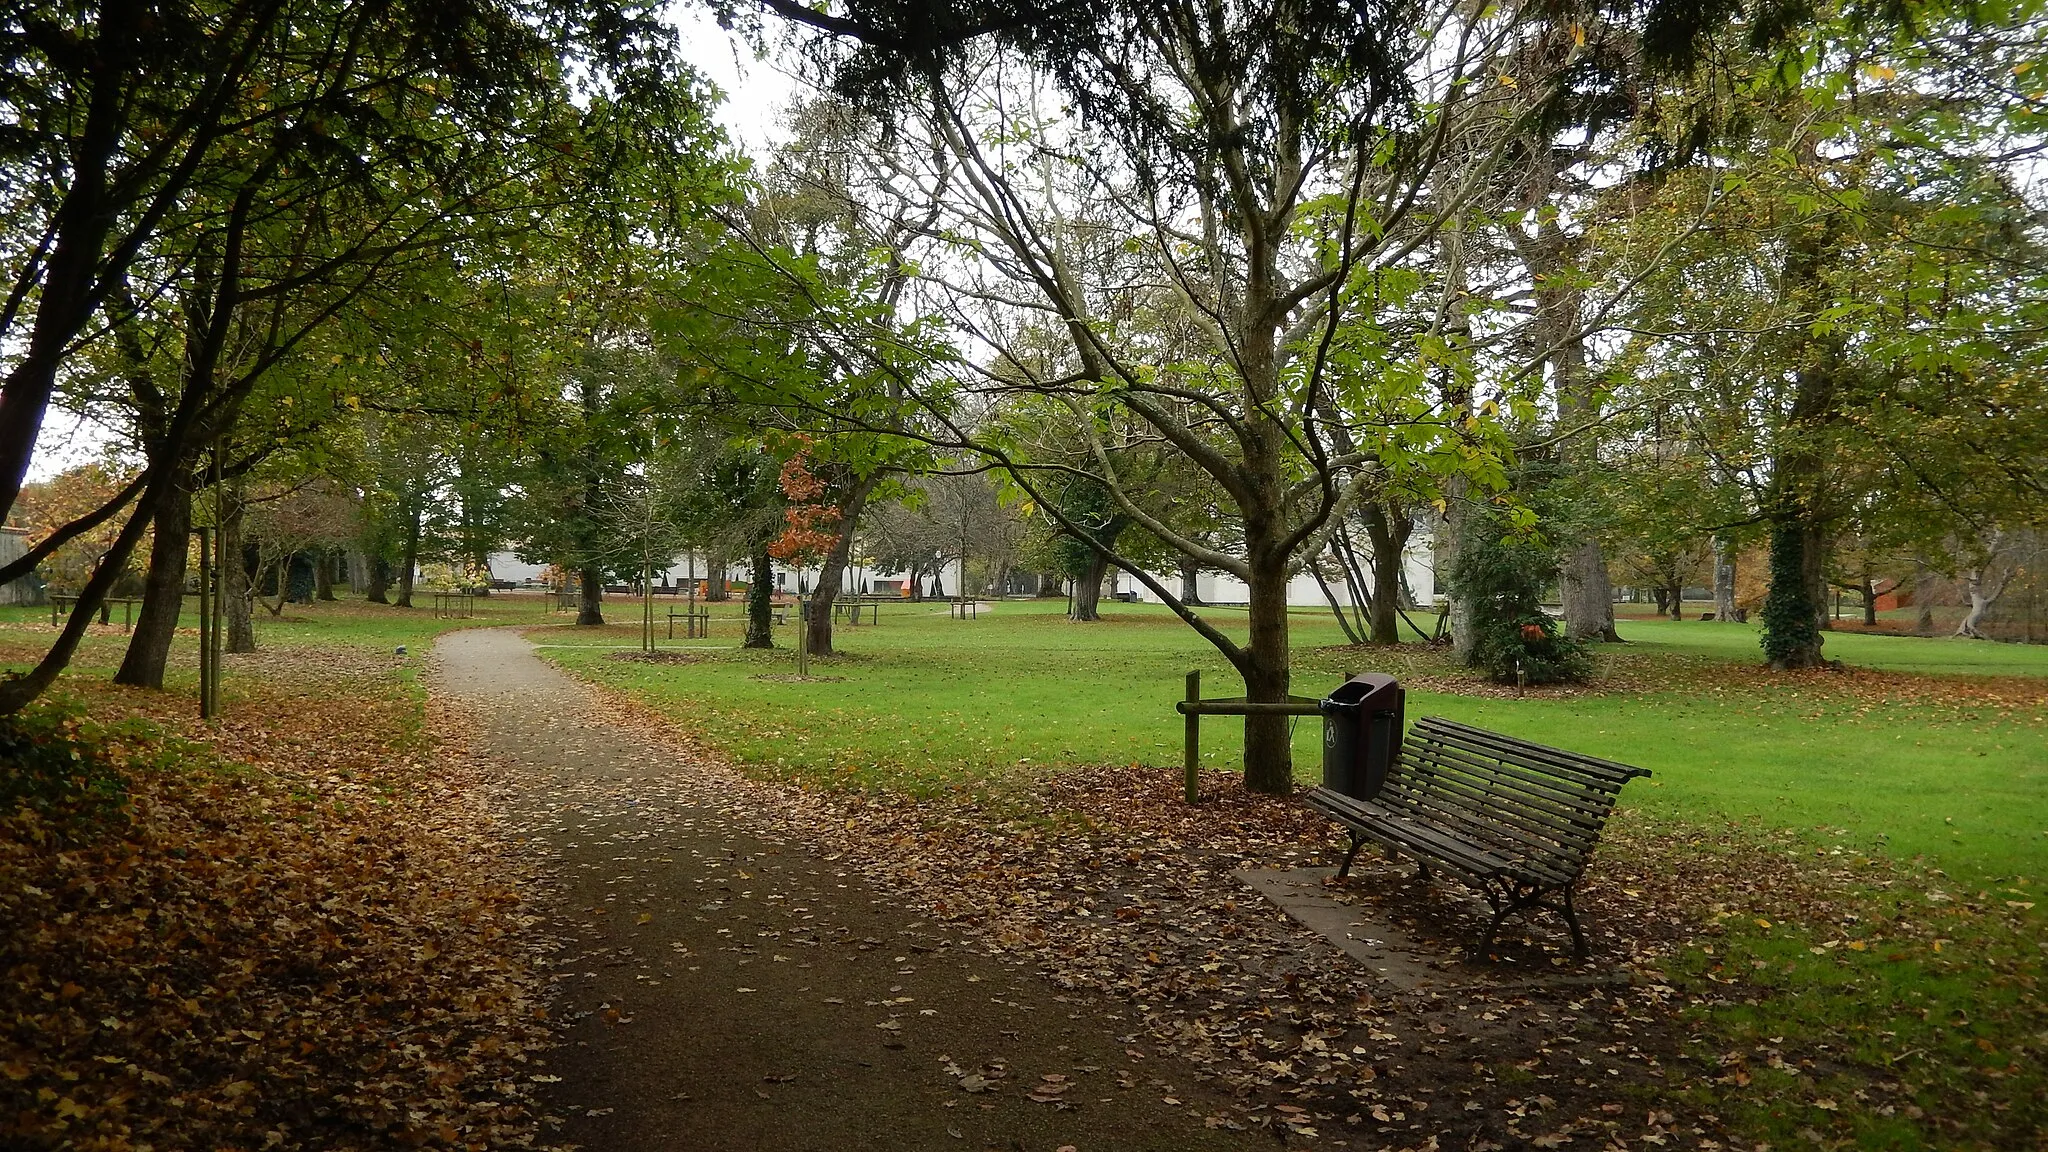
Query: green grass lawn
<point>1932,752</point>
<point>25,633</point>
<point>1915,766</point>
<point>1940,751</point>
<point>1914,986</point>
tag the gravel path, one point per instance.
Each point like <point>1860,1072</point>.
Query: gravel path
<point>723,987</point>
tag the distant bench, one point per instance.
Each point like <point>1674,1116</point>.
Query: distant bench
<point>60,606</point>
<point>1518,820</point>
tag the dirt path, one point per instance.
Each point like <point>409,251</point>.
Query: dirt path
<point>724,988</point>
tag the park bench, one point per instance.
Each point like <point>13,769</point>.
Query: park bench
<point>1518,820</point>
<point>459,605</point>
<point>60,607</point>
<point>696,622</point>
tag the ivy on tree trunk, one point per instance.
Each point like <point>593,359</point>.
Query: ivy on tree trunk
<point>760,606</point>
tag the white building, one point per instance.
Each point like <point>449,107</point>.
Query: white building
<point>693,567</point>
<point>1418,566</point>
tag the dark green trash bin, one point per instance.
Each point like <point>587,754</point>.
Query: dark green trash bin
<point>1362,726</point>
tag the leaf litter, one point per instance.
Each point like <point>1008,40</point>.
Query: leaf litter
<point>1122,897</point>
<point>292,936</point>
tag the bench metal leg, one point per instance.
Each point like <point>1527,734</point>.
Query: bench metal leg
<point>1500,911</point>
<point>1511,900</point>
<point>1571,919</point>
<point>1357,842</point>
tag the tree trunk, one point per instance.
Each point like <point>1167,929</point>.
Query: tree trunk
<point>1190,583</point>
<point>1268,750</point>
<point>1724,579</point>
<point>323,574</point>
<point>1869,602</point>
<point>1973,584</point>
<point>1389,539</point>
<point>819,627</point>
<point>590,595</point>
<point>358,571</point>
<point>1678,598</point>
<point>714,579</point>
<point>760,601</point>
<point>235,591</point>
<point>377,589</point>
<point>1795,607</point>
<point>1587,593</point>
<point>408,565</point>
<point>78,259</point>
<point>1450,538</point>
<point>1088,591</point>
<point>1663,596</point>
<point>163,591</point>
<point>1983,594</point>
<point>279,584</point>
<point>1923,598</point>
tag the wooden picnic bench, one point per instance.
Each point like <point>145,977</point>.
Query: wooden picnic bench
<point>60,607</point>
<point>696,622</point>
<point>1516,819</point>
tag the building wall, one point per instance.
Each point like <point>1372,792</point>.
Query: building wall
<point>788,578</point>
<point>1418,563</point>
<point>28,589</point>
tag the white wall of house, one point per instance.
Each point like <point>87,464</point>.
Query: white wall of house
<point>1418,563</point>
<point>788,578</point>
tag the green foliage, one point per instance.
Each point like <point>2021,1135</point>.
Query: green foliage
<point>1087,503</point>
<point>1502,573</point>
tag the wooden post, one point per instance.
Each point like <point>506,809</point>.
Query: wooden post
<point>1191,755</point>
<point>646,603</point>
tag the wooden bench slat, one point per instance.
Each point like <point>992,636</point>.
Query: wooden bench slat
<point>1544,805</point>
<point>1410,833</point>
<point>1555,865</point>
<point>1455,805</point>
<point>1589,794</point>
<point>1504,836</point>
<point>1455,794</point>
<point>1522,751</point>
<point>1548,814</point>
<point>1563,858</point>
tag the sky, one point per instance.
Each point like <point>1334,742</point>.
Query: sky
<point>755,92</point>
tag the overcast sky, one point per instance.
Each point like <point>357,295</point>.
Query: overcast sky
<point>756,91</point>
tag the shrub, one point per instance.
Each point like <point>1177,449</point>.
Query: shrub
<point>1502,573</point>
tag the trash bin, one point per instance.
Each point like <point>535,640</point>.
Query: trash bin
<point>1362,728</point>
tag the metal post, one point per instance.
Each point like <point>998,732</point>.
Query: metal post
<point>205,623</point>
<point>803,639</point>
<point>218,594</point>
<point>1191,756</point>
